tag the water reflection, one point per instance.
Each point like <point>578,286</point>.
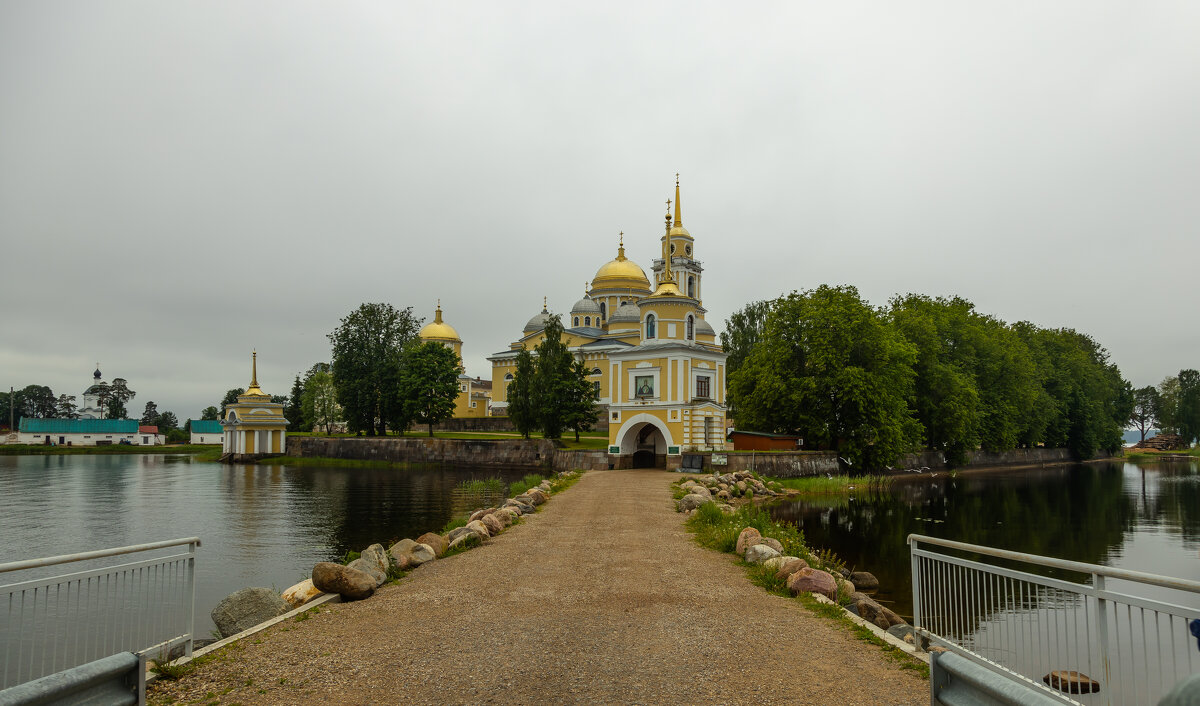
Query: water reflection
<point>1137,517</point>
<point>260,525</point>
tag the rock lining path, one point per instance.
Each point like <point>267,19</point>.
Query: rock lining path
<point>602,597</point>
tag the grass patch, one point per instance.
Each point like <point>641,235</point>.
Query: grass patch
<point>834,485</point>
<point>351,556</point>
<point>481,487</point>
<point>470,542</point>
<point>531,480</point>
<point>563,481</point>
<point>455,523</point>
<point>716,530</point>
<point>832,612</point>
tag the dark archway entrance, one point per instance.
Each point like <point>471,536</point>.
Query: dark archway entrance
<point>649,442</point>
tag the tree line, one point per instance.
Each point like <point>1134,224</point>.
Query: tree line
<point>550,391</point>
<point>920,373</point>
<point>40,402</point>
<point>1173,407</point>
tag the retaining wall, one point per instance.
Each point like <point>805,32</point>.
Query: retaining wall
<point>780,464</point>
<point>483,452</point>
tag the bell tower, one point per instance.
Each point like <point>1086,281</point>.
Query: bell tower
<point>680,247</point>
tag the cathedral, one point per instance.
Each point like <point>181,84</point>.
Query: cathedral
<point>655,362</point>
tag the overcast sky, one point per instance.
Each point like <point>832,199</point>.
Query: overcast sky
<point>181,182</point>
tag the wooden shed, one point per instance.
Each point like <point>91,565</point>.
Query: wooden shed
<point>761,441</point>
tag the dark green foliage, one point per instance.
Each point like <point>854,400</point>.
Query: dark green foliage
<point>210,414</point>
<point>166,422</point>
<point>293,410</point>
<point>178,436</point>
<point>743,331</point>
<point>66,409</point>
<point>149,414</point>
<point>38,401</point>
<point>367,354</point>
<point>429,383</point>
<point>831,369</point>
<point>521,407</point>
<point>231,397</point>
<point>319,408</point>
<point>925,372</point>
<point>581,405</point>
<point>555,382</point>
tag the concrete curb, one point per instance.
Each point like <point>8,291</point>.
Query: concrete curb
<point>879,632</point>
<point>320,600</point>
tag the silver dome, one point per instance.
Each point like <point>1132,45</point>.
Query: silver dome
<point>626,312</point>
<point>585,306</point>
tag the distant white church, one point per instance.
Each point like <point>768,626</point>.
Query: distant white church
<point>91,408</point>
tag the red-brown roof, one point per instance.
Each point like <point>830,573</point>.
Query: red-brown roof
<point>147,430</point>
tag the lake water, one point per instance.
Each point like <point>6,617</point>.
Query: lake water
<point>259,525</point>
<point>1144,518</point>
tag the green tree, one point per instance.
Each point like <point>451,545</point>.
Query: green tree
<point>581,404</point>
<point>231,398</point>
<point>319,406</point>
<point>743,331</point>
<point>178,436</point>
<point>211,414</point>
<point>294,410</point>
<point>167,421</point>
<point>66,409</point>
<point>17,409</point>
<point>830,368</point>
<point>554,381</point>
<point>1145,403</point>
<point>39,401</point>
<point>520,394</point>
<point>149,414</point>
<point>1187,415</point>
<point>367,353</point>
<point>117,396</point>
<point>429,383</point>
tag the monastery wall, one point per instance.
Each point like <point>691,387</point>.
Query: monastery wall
<point>483,452</point>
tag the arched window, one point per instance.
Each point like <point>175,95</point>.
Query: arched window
<point>508,376</point>
<point>691,286</point>
<point>587,321</point>
<point>596,371</point>
<point>691,328</point>
<point>650,326</point>
<point>623,302</point>
<point>603,311</point>
<point>576,321</point>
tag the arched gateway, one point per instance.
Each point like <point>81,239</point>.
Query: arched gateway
<point>645,439</point>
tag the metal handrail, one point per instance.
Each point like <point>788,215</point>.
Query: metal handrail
<point>1076,566</point>
<point>97,554</point>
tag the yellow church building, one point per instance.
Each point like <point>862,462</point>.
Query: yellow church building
<point>655,362</point>
<point>474,395</point>
<point>254,425</point>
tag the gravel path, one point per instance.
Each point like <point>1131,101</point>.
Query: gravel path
<point>601,597</point>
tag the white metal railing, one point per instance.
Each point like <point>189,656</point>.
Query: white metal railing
<point>1026,625</point>
<point>145,606</point>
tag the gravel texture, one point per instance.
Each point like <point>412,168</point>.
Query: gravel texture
<point>601,597</point>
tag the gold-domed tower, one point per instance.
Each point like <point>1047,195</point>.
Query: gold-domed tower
<point>618,281</point>
<point>438,331</point>
<point>679,245</point>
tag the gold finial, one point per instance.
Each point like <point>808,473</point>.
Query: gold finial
<point>254,389</point>
<point>621,247</point>
<point>437,314</point>
<point>543,304</point>
<point>678,217</point>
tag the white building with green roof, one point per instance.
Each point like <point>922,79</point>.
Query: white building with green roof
<point>77,432</point>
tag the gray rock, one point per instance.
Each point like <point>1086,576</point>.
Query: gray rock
<point>770,542</point>
<point>759,553</point>
<point>467,540</point>
<point>478,514</point>
<point>747,538</point>
<point>904,632</point>
<point>523,507</point>
<point>437,541</point>
<point>377,556</point>
<point>690,502</point>
<point>408,554</point>
<point>455,534</point>
<point>369,567</point>
<point>242,610</point>
<point>350,584</point>
<point>865,580</point>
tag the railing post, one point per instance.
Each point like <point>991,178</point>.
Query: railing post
<point>1102,618</point>
<point>191,603</point>
<point>916,583</point>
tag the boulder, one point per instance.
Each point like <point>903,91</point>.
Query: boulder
<point>479,528</point>
<point>242,610</point>
<point>494,525</point>
<point>872,612</point>
<point>690,502</point>
<point>544,486</point>
<point>536,495</point>
<point>775,562</point>
<point>301,593</point>
<point>723,495</point>
<point>747,538</point>
<point>436,541</point>
<point>759,553</point>
<point>369,567</point>
<point>845,588</point>
<point>478,514</point>
<point>522,507</point>
<point>350,584</point>
<point>865,580</point>
<point>701,491</point>
<point>408,554</point>
<point>455,534</point>
<point>904,632</point>
<point>376,555</point>
<point>814,581</point>
<point>741,486</point>
<point>1072,682</point>
<point>791,566</point>
<point>770,542</point>
<point>504,518</point>
<point>507,512</point>
<point>465,540</point>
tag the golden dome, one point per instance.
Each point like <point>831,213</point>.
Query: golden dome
<point>621,273</point>
<point>667,289</point>
<point>438,330</point>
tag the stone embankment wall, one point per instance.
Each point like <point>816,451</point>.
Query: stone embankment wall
<point>500,424</point>
<point>980,459</point>
<point>483,452</point>
<point>777,464</point>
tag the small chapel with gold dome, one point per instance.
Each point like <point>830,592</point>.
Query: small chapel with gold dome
<point>474,395</point>
<point>656,365</point>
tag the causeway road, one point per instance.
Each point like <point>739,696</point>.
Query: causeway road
<point>602,597</point>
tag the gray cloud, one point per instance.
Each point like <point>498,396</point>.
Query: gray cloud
<point>181,182</point>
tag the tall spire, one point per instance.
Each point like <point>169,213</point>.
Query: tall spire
<point>437,314</point>
<point>678,216</point>
<point>254,389</point>
<point>667,274</point>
